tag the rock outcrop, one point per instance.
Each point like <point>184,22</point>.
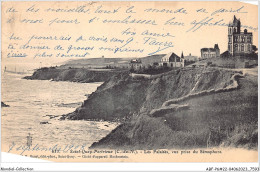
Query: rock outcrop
<point>73,74</point>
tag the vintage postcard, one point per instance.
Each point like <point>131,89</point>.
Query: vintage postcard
<point>121,81</point>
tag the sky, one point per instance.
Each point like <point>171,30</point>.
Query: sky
<point>36,30</point>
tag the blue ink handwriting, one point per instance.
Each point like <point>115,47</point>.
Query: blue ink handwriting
<point>202,10</point>
<point>129,20</point>
<point>32,9</point>
<point>154,10</point>
<point>79,9</point>
<point>223,10</point>
<point>11,10</point>
<point>175,23</point>
<point>76,48</point>
<point>101,10</point>
<point>44,54</point>
<point>128,32</point>
<point>54,38</point>
<point>154,42</point>
<point>209,22</point>
<point>59,21</point>
<point>32,21</point>
<point>13,37</point>
<point>148,33</point>
<point>130,10</point>
<point>17,54</point>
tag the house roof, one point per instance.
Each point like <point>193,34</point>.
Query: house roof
<point>208,49</point>
<point>169,56</point>
<point>211,49</point>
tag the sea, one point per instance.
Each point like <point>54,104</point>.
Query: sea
<point>35,108</point>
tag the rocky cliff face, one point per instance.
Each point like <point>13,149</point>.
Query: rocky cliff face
<point>180,109</point>
<point>73,75</point>
<point>116,99</point>
<point>122,96</point>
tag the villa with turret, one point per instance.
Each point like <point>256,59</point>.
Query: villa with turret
<point>239,43</point>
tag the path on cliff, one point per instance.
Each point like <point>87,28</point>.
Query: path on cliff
<point>174,104</point>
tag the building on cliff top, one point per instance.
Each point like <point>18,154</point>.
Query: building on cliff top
<point>135,64</point>
<point>172,60</point>
<point>239,43</point>
<point>190,58</point>
<point>210,52</point>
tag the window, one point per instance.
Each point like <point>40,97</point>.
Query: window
<point>242,47</point>
<point>248,47</point>
<point>236,47</point>
<point>235,38</point>
<point>229,39</point>
<point>249,39</point>
<point>243,39</point>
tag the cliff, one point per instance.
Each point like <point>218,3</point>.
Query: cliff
<point>185,108</point>
<point>79,70</point>
<point>72,74</point>
<point>124,95</point>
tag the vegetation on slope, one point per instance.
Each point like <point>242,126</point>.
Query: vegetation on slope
<point>199,107</point>
<point>219,119</point>
<point>222,118</point>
